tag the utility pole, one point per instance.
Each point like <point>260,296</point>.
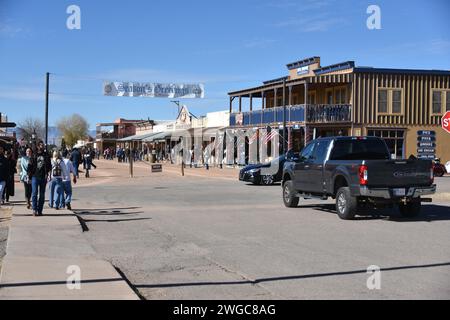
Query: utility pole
<point>47,83</point>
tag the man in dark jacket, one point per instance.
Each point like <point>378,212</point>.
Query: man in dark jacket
<point>75,157</point>
<point>4,169</point>
<point>39,169</point>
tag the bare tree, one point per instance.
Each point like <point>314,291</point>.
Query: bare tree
<point>73,128</point>
<point>31,126</point>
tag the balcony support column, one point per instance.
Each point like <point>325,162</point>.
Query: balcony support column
<point>306,93</point>
<point>251,102</point>
<point>290,96</point>
<point>275,97</point>
<point>240,103</point>
<point>262,100</point>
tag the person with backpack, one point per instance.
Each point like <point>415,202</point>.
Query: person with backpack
<point>39,169</point>
<point>56,182</point>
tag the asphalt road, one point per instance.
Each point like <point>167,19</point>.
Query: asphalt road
<point>215,238</point>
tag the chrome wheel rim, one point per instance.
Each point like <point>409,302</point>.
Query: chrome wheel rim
<point>287,195</point>
<point>342,202</point>
<point>267,179</point>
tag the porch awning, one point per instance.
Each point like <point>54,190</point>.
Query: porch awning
<point>158,136</point>
<point>136,137</point>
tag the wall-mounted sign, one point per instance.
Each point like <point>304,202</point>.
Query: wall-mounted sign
<point>303,70</point>
<point>426,144</point>
<point>153,90</point>
<point>239,119</point>
<point>426,138</point>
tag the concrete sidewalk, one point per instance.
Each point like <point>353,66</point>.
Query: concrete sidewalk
<point>39,252</point>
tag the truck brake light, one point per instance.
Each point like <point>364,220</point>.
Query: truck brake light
<point>432,173</point>
<point>363,175</point>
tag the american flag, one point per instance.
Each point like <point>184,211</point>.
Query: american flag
<point>253,137</point>
<point>268,136</point>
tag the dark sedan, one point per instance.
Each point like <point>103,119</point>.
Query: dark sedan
<point>263,173</point>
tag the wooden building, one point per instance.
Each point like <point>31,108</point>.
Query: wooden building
<point>403,106</point>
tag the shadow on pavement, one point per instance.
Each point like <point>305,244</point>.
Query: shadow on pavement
<point>50,283</point>
<point>284,278</point>
<point>429,213</point>
<point>115,220</point>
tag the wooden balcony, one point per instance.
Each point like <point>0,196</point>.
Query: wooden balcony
<point>311,113</point>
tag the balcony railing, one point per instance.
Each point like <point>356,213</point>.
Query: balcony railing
<point>324,113</point>
<point>107,135</point>
<point>295,113</point>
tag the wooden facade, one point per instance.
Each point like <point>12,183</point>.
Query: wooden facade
<point>416,98</point>
<point>403,101</point>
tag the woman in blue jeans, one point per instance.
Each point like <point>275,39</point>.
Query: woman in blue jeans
<point>39,169</point>
<point>56,182</point>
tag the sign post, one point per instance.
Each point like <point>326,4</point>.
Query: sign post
<point>446,122</point>
<point>426,144</point>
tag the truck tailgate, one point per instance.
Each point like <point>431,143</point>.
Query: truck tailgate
<point>398,173</point>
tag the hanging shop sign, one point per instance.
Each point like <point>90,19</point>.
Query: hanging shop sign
<point>153,90</point>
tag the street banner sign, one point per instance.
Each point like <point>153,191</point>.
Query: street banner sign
<point>154,90</point>
<point>156,167</point>
<point>446,121</point>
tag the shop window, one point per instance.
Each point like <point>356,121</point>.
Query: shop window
<point>390,101</point>
<point>440,101</point>
<point>437,102</point>
<point>396,101</point>
<point>312,98</point>
<point>447,101</point>
<point>394,140</point>
<point>330,96</point>
<point>382,101</point>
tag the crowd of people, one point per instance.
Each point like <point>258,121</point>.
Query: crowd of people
<point>38,169</point>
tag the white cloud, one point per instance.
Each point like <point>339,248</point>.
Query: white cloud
<point>9,30</point>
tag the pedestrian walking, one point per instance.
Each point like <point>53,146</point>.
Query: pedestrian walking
<point>92,152</point>
<point>87,162</point>
<point>68,169</point>
<point>4,169</point>
<point>24,178</point>
<point>8,191</point>
<point>39,169</point>
<point>75,157</point>
<point>56,185</point>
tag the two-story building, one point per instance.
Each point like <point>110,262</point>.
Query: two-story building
<point>403,106</point>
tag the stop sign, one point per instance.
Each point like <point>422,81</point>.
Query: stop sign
<point>446,121</point>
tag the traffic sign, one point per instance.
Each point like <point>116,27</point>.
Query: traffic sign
<point>446,121</point>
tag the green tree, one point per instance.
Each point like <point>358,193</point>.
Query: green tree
<point>73,128</point>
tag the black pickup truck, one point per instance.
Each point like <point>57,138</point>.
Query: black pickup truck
<point>357,172</point>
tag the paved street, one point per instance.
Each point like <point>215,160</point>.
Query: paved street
<point>198,237</point>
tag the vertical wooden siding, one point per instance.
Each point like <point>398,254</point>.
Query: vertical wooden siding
<point>416,96</point>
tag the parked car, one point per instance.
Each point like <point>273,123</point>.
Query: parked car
<point>438,168</point>
<point>357,172</point>
<point>260,174</point>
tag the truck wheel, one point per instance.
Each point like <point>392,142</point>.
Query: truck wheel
<point>289,198</point>
<point>410,209</point>
<point>346,205</point>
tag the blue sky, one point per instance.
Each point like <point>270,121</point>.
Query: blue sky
<point>227,45</point>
